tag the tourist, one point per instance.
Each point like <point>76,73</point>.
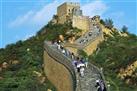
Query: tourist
<point>67,53</point>
<point>55,43</point>
<point>78,64</point>
<point>84,40</point>
<point>58,45</point>
<point>102,84</point>
<point>78,67</point>
<point>86,62</point>
<point>72,56</point>
<point>82,68</point>
<point>90,33</point>
<point>98,85</point>
<point>74,63</point>
<point>82,60</point>
<point>63,50</point>
<point>59,41</point>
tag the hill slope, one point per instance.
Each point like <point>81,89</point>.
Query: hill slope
<point>113,55</point>
<point>21,63</point>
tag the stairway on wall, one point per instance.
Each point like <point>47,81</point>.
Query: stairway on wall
<point>89,36</point>
<point>92,73</point>
<point>88,42</point>
<point>86,39</point>
<point>88,82</point>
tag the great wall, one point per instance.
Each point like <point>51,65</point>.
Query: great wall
<point>58,67</point>
<point>60,71</point>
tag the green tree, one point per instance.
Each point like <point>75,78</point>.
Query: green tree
<point>109,23</point>
<point>124,29</point>
<point>82,53</point>
<point>56,18</point>
<point>102,22</point>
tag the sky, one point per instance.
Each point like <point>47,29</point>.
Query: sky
<point>21,19</point>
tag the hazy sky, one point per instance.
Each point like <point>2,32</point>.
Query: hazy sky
<point>20,19</point>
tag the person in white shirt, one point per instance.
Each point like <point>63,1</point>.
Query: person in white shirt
<point>58,46</point>
<point>63,51</point>
<point>98,85</point>
<point>82,69</point>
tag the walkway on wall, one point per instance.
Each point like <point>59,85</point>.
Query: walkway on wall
<point>92,73</point>
<point>88,38</point>
<point>88,82</point>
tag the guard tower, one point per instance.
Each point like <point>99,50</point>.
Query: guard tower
<point>67,10</point>
<point>70,11</point>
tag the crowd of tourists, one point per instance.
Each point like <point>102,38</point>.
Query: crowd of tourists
<point>93,33</point>
<point>79,63</point>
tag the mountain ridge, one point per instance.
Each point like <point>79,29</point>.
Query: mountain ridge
<point>21,62</point>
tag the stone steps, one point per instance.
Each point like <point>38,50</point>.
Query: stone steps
<point>88,82</point>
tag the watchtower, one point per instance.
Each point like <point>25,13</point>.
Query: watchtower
<point>67,10</point>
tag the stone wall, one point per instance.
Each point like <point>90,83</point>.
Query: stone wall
<point>92,46</point>
<point>81,22</point>
<point>62,12</point>
<point>65,10</point>
<point>57,74</point>
<point>59,71</point>
<point>89,48</point>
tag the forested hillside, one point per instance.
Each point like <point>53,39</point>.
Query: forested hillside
<point>21,63</point>
<point>115,54</point>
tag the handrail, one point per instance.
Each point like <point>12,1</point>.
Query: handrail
<point>59,57</point>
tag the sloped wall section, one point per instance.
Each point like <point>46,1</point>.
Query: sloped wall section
<point>92,46</point>
<point>60,72</point>
<point>89,47</point>
<point>59,69</point>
